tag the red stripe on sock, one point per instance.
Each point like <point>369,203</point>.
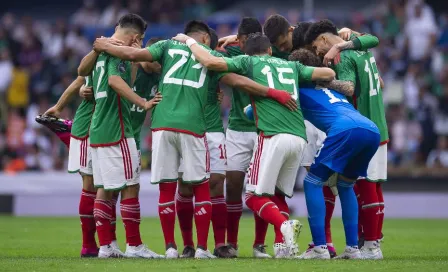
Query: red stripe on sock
<point>219,220</point>
<point>130,213</point>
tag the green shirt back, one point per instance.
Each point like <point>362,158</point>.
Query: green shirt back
<point>270,116</point>
<point>145,86</point>
<point>111,121</point>
<point>184,84</point>
<point>83,116</point>
<point>360,68</point>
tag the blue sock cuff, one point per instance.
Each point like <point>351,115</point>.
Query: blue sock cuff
<point>346,184</point>
<point>311,178</point>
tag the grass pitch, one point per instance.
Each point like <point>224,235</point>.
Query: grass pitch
<point>53,244</point>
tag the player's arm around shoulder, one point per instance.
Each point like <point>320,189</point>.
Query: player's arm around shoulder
<point>122,52</point>
<point>322,73</point>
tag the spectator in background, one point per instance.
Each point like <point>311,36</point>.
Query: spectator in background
<point>112,13</point>
<point>87,15</point>
<point>425,113</point>
<point>18,91</point>
<point>53,41</point>
<point>6,70</point>
<point>421,34</point>
<point>77,43</point>
<point>439,156</point>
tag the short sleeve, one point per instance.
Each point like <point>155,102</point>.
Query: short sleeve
<point>115,67</point>
<point>239,64</point>
<point>305,72</point>
<point>345,70</point>
<point>157,50</point>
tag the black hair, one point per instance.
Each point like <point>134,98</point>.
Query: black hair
<point>152,41</point>
<point>299,33</point>
<point>133,21</point>
<point>305,57</point>
<point>195,26</point>
<point>213,39</point>
<point>248,26</point>
<point>318,28</point>
<point>276,26</point>
<point>257,43</point>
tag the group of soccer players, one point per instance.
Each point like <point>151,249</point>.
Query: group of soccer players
<point>281,75</point>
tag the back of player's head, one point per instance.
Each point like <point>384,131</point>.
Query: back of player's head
<point>318,28</point>
<point>195,26</point>
<point>298,35</point>
<point>152,41</point>
<point>213,39</point>
<point>257,44</point>
<point>305,57</point>
<point>276,26</point>
<point>249,25</point>
<point>134,22</point>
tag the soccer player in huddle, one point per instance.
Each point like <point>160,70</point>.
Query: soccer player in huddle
<point>115,159</point>
<point>282,132</point>
<point>359,68</point>
<point>184,85</point>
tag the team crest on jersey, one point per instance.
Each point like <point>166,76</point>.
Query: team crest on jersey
<point>121,67</point>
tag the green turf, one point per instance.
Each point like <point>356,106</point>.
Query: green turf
<point>53,244</point>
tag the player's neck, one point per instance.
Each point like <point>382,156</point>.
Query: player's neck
<point>196,37</point>
<point>119,36</point>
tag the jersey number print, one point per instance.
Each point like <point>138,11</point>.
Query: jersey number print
<point>168,79</point>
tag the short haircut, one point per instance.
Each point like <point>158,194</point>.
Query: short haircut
<point>213,39</point>
<point>195,26</point>
<point>257,43</point>
<point>318,28</point>
<point>152,41</point>
<point>248,26</point>
<point>305,57</point>
<point>299,33</point>
<point>133,21</point>
<point>276,26</point>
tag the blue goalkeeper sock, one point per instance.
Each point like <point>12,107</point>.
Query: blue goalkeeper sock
<point>349,207</point>
<point>315,204</point>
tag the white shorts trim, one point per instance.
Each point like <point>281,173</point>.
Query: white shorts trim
<point>80,156</point>
<point>240,148</point>
<point>315,139</point>
<point>115,167</point>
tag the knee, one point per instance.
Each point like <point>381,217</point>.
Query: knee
<point>185,190</point>
<point>87,183</point>
<point>130,192</point>
<point>217,185</point>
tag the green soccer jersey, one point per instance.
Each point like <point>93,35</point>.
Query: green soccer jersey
<point>184,84</point>
<point>111,121</point>
<point>83,116</point>
<point>145,86</point>
<point>238,121</point>
<point>270,116</point>
<point>213,120</point>
<point>360,68</point>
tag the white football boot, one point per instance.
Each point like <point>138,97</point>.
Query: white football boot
<point>291,231</point>
<point>281,251</point>
<point>110,252</point>
<point>349,253</point>
<point>371,251</point>
<point>203,254</point>
<point>259,251</point>
<point>141,251</point>
<point>171,253</point>
<point>316,252</point>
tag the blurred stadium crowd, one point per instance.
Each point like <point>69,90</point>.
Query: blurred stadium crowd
<point>38,60</point>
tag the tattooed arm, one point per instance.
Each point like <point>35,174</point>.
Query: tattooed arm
<point>346,88</point>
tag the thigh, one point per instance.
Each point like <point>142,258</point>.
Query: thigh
<point>74,155</point>
<point>86,158</point>
<point>315,140</point>
<point>96,168</point>
<point>217,149</point>
<point>288,172</point>
<point>165,157</point>
<point>239,148</point>
<point>265,167</point>
<point>195,157</point>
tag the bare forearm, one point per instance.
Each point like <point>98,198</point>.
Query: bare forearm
<point>245,84</point>
<point>346,88</point>
<point>87,64</point>
<point>123,89</point>
<point>71,91</point>
<point>208,60</point>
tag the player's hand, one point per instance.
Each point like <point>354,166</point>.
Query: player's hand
<point>181,38</point>
<point>224,41</point>
<point>283,98</point>
<point>53,111</point>
<point>331,54</point>
<point>136,45</point>
<point>153,102</point>
<point>220,96</point>
<point>345,33</point>
<point>86,92</point>
<point>101,44</point>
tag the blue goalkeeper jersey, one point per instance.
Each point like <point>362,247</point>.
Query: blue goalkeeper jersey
<point>330,111</point>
